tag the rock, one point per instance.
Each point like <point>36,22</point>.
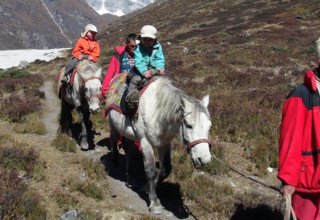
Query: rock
<point>185,50</point>
<point>23,64</point>
<point>71,215</point>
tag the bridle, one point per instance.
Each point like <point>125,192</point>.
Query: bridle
<point>190,144</point>
<point>99,96</point>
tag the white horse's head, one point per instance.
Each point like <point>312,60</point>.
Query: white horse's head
<point>195,130</point>
<point>91,84</point>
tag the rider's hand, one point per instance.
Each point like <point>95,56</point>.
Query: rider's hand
<point>80,57</point>
<point>91,58</point>
<point>287,189</point>
<point>161,71</point>
<point>148,74</point>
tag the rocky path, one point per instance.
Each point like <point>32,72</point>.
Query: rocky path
<point>134,201</point>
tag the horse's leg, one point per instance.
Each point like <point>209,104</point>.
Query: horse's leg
<point>62,121</point>
<point>69,118</point>
<point>65,118</point>
<point>133,159</point>
<point>165,163</point>
<point>83,136</point>
<point>151,172</point>
<point>114,137</point>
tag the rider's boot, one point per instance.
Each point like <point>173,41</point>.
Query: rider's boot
<point>65,79</point>
<point>132,100</point>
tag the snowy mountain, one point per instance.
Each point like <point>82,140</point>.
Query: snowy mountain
<point>118,7</point>
<point>41,24</point>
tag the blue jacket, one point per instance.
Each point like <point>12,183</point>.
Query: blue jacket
<point>145,59</point>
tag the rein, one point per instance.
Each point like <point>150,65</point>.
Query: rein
<point>189,145</point>
<point>246,176</point>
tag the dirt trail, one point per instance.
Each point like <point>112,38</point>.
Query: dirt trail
<point>133,201</point>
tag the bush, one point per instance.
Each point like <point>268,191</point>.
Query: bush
<point>15,107</point>
<point>17,158</point>
<point>15,200</point>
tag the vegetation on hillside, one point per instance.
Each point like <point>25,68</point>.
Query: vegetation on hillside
<point>247,55</point>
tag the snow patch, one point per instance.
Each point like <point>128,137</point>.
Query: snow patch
<point>12,58</point>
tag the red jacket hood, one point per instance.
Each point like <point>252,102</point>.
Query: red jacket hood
<point>310,80</point>
<point>120,49</point>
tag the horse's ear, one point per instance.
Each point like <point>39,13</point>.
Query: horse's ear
<point>205,101</point>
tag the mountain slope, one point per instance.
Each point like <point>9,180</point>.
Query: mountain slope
<point>44,23</point>
<point>247,55</point>
<point>117,7</point>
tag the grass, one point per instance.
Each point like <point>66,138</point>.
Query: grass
<point>89,188</point>
<point>30,124</point>
<point>94,169</point>
<point>64,143</point>
<point>65,200</point>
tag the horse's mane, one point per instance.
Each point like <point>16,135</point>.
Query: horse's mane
<point>87,69</point>
<point>169,102</point>
<point>197,104</point>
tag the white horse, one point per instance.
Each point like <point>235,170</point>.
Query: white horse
<point>164,111</point>
<point>84,96</point>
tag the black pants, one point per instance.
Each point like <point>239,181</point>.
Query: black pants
<point>73,62</point>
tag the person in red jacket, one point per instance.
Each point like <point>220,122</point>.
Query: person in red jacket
<point>122,62</point>
<point>86,48</point>
<point>299,147</point>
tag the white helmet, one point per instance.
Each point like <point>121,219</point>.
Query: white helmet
<point>89,27</point>
<point>148,31</point>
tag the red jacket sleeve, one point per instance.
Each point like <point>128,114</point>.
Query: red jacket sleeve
<point>113,69</point>
<point>95,51</point>
<point>290,144</point>
<point>77,51</point>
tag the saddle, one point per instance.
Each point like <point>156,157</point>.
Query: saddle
<point>116,96</point>
<point>67,85</point>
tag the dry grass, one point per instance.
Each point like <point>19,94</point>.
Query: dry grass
<point>31,124</point>
<point>64,143</point>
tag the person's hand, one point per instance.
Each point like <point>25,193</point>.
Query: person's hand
<point>91,58</point>
<point>82,57</point>
<point>161,72</point>
<point>287,189</point>
<point>148,74</point>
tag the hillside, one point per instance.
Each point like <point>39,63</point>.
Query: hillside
<point>247,55</point>
<point>43,24</point>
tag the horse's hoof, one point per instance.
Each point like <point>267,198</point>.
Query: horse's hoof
<point>85,146</point>
<point>156,210</point>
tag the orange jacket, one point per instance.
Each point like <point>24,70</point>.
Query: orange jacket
<point>87,47</point>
